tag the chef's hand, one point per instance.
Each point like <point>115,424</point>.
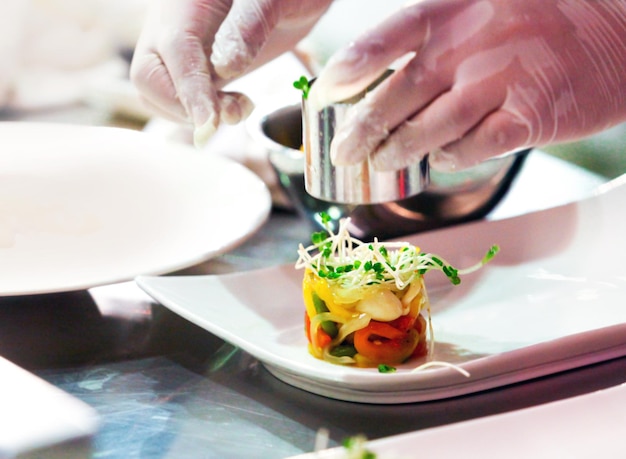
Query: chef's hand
<point>482,78</point>
<point>189,49</point>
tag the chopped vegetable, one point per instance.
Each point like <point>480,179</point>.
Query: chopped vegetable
<point>382,368</point>
<point>320,307</point>
<point>382,343</point>
<point>364,301</point>
<point>355,448</point>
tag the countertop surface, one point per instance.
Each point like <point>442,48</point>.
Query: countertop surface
<point>163,387</point>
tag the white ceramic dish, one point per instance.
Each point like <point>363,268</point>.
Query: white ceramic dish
<point>590,425</point>
<point>552,300</point>
<point>83,206</point>
<point>40,420</point>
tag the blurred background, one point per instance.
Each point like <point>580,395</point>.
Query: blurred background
<point>67,61</point>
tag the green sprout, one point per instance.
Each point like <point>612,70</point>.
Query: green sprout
<point>355,264</point>
<point>302,84</point>
<point>382,368</point>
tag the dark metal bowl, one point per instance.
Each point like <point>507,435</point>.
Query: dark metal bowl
<point>450,198</point>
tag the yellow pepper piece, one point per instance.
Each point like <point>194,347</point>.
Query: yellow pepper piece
<point>313,283</point>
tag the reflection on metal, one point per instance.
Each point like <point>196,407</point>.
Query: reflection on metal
<point>354,184</point>
<point>448,198</point>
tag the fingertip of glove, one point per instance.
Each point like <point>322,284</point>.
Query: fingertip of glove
<point>444,161</point>
<point>203,132</point>
<point>235,107</point>
<point>229,61</point>
<point>325,91</point>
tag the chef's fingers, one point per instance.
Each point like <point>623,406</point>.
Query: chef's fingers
<point>370,121</point>
<point>171,66</point>
<point>432,26</point>
<point>450,117</point>
<point>256,31</point>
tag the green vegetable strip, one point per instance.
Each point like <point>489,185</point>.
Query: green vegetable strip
<point>343,350</point>
<point>328,326</point>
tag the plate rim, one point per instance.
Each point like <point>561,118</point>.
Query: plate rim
<point>608,345</point>
<point>369,390</point>
<point>166,150</point>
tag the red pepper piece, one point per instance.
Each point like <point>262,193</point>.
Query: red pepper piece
<point>322,339</point>
<point>380,342</point>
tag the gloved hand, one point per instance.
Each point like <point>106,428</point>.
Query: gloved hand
<point>189,49</point>
<point>480,78</point>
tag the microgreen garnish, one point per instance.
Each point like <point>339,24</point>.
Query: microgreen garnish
<point>382,368</point>
<point>319,237</point>
<point>490,253</point>
<point>303,85</point>
<point>339,257</point>
<point>355,447</point>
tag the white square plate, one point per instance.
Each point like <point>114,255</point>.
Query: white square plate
<point>590,425</point>
<point>553,299</point>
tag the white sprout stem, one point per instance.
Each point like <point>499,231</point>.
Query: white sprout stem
<point>431,330</point>
<point>472,268</point>
<point>322,438</point>
<point>436,363</point>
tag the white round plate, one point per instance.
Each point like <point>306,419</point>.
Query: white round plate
<point>82,206</point>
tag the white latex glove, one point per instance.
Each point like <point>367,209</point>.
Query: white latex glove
<point>482,78</point>
<point>189,49</point>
